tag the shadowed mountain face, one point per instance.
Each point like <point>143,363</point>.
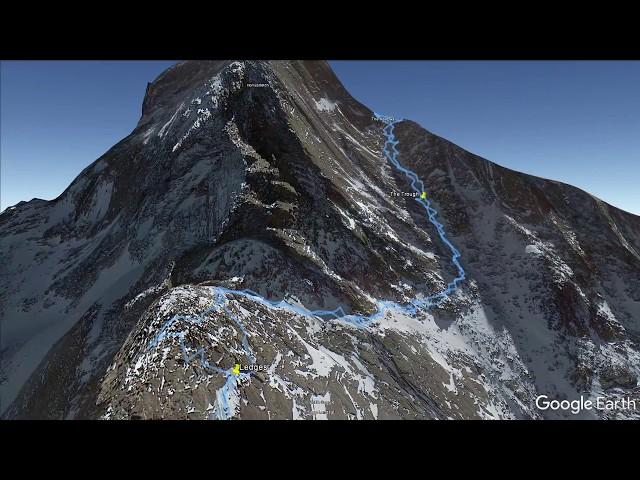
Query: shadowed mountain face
<point>269,176</point>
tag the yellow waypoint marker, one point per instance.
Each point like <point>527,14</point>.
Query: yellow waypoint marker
<point>423,195</point>
<point>236,369</point>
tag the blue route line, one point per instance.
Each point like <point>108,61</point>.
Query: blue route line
<point>223,409</point>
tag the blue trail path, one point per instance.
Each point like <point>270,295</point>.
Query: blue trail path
<point>227,395</point>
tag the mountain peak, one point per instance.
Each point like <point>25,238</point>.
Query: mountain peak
<point>254,214</point>
<point>305,77</point>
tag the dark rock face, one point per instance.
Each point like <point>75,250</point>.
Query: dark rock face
<point>270,176</point>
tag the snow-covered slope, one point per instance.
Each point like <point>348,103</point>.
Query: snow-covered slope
<point>270,176</point>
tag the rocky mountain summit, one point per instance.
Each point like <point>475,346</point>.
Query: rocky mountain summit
<point>269,176</point>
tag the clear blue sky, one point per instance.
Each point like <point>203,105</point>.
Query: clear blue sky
<point>577,122</point>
